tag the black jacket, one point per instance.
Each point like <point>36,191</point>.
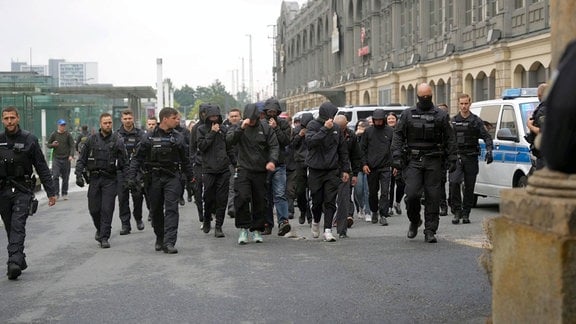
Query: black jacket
<point>142,154</point>
<point>33,154</point>
<point>96,143</point>
<point>283,133</point>
<point>354,151</point>
<point>327,148</point>
<point>476,130</point>
<point>131,138</point>
<point>298,143</point>
<point>212,145</point>
<point>376,147</point>
<point>256,145</point>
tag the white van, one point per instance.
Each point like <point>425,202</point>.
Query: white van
<point>355,113</point>
<point>505,120</point>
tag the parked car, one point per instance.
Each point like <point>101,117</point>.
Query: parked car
<point>355,113</point>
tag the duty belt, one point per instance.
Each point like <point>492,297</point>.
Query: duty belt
<point>168,171</point>
<point>424,153</point>
<point>102,173</point>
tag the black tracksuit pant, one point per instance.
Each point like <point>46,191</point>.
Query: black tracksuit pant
<point>323,186</point>
<point>250,191</point>
<point>216,194</point>
<point>379,180</point>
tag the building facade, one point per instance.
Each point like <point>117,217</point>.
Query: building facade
<point>74,74</point>
<point>356,52</point>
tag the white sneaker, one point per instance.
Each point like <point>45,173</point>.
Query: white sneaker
<point>327,236</point>
<point>65,197</point>
<point>368,217</point>
<point>315,230</point>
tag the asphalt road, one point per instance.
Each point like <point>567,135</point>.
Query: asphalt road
<point>375,276</point>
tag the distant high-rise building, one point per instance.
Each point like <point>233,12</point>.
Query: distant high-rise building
<point>16,66</point>
<point>40,69</point>
<point>53,68</point>
<point>74,74</point>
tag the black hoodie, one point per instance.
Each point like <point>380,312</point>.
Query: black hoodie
<point>298,145</point>
<point>327,148</point>
<point>212,145</point>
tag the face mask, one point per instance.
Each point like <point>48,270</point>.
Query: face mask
<point>425,101</point>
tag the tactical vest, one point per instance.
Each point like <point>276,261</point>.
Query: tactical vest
<point>103,154</point>
<point>424,130</point>
<point>130,142</point>
<point>14,160</point>
<point>163,153</point>
<point>466,136</point>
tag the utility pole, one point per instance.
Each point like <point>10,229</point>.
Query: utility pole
<point>250,68</point>
<point>274,70</point>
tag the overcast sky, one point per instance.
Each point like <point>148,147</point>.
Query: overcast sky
<point>199,40</point>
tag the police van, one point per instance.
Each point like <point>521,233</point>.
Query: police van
<point>356,113</point>
<point>505,119</point>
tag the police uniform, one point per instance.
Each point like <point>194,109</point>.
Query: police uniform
<point>422,139</point>
<point>103,157</point>
<point>467,131</point>
<point>19,152</point>
<point>131,139</point>
<point>163,155</point>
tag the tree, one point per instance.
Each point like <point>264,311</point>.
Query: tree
<point>186,96</point>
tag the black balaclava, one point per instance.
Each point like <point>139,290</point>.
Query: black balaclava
<point>425,102</point>
<point>327,111</point>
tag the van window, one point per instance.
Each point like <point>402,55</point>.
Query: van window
<point>348,114</point>
<point>364,114</point>
<point>489,115</point>
<point>527,109</point>
<point>509,120</point>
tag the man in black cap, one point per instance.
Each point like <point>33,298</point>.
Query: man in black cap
<point>328,166</point>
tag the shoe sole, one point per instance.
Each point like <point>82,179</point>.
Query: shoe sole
<point>416,232</point>
<point>349,222</point>
<point>285,229</point>
<point>242,242</point>
<point>330,240</point>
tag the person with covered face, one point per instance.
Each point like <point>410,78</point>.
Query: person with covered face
<point>376,162</point>
<point>277,178</point>
<point>328,166</point>
<point>196,159</point>
<point>215,167</point>
<point>257,154</point>
<point>301,181</point>
<point>422,139</point>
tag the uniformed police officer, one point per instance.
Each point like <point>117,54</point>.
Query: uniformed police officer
<point>468,128</point>
<point>422,139</point>
<point>19,151</point>
<point>163,154</point>
<point>131,136</point>
<point>103,156</point>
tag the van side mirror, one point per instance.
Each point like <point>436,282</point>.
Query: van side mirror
<point>506,135</point>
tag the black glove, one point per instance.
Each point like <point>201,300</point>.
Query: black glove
<point>489,159</point>
<point>397,164</point>
<point>452,166</point>
<point>130,184</point>
<point>79,181</point>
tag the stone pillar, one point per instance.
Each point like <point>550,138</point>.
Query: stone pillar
<point>563,26</point>
<point>534,252</point>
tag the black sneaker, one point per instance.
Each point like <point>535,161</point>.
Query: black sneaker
<point>465,219</point>
<point>456,219</point>
<point>105,244</point>
<point>14,271</point>
<point>125,231</point>
<point>342,235</point>
<point>284,228</point>
<point>430,238</point>
<point>97,235</point>
<point>140,225</point>
<point>383,221</point>
<point>413,229</point>
<point>302,219</point>
<point>158,245</point>
<point>169,249</point>
<point>218,232</point>
<point>443,210</point>
<point>181,201</point>
<point>207,226</point>
<point>267,230</point>
<point>374,217</point>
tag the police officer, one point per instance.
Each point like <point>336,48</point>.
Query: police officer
<point>131,136</point>
<point>468,128</point>
<point>257,154</point>
<point>425,133</point>
<point>215,168</point>
<point>535,124</point>
<point>328,166</point>
<point>376,161</point>
<point>163,155</point>
<point>103,157</point>
<point>181,128</point>
<point>19,152</point>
